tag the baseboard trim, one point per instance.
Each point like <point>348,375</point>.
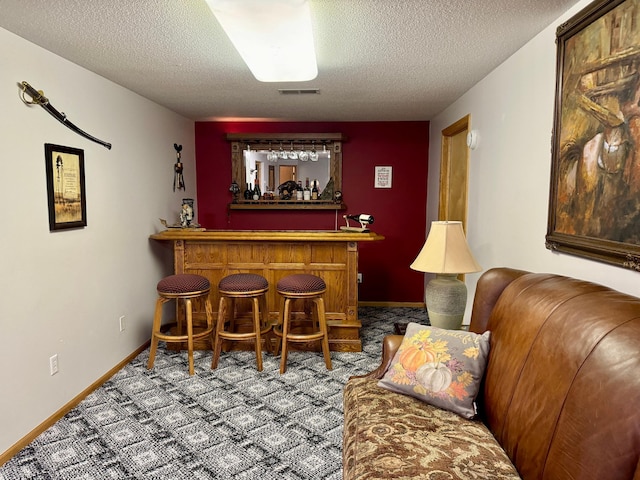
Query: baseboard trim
<point>392,304</point>
<point>26,440</point>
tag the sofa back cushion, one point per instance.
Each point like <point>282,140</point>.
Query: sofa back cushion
<point>562,384</point>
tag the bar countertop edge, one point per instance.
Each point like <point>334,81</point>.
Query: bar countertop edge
<point>273,235</point>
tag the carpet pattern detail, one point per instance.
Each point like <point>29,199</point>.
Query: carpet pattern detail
<point>230,423</point>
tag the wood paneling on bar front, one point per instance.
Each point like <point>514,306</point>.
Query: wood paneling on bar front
<point>332,255</point>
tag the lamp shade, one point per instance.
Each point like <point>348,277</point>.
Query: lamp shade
<point>446,251</point>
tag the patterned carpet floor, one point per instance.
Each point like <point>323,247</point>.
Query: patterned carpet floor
<point>230,423</point>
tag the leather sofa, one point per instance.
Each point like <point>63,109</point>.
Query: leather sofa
<point>560,397</point>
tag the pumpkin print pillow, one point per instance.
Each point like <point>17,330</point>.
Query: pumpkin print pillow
<point>441,367</point>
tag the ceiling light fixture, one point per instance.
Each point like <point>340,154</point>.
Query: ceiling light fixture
<point>273,37</point>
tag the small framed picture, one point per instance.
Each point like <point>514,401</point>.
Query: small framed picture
<point>383,177</point>
<point>65,187</point>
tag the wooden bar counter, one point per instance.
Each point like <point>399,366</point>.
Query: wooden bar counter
<point>332,255</point>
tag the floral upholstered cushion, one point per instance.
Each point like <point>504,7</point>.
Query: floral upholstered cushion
<point>441,367</point>
<point>388,435</point>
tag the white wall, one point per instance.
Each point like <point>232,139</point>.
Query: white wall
<point>512,109</point>
<point>62,292</point>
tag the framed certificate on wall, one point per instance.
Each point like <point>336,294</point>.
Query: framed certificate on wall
<point>383,177</point>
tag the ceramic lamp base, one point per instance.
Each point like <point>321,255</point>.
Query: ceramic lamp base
<point>446,299</point>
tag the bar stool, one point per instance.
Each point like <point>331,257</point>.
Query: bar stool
<point>307,287</point>
<point>187,287</point>
<point>230,288</point>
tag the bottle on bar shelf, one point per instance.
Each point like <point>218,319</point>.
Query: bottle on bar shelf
<point>307,190</point>
<point>299,193</point>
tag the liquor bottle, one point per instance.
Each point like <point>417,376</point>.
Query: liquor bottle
<point>248,194</point>
<point>314,190</point>
<point>307,191</point>
<point>256,192</point>
<point>299,194</point>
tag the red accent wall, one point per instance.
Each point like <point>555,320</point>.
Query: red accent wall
<point>399,212</point>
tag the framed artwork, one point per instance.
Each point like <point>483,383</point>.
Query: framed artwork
<point>383,177</point>
<point>594,204</point>
<point>65,187</point>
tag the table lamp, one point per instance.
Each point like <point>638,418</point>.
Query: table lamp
<point>446,253</point>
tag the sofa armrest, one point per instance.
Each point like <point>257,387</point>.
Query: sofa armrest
<point>390,345</point>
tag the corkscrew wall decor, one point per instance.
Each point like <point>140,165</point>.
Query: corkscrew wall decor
<point>178,178</point>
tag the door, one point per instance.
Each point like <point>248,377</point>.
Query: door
<point>286,173</point>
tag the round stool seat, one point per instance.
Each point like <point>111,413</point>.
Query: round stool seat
<point>301,283</point>
<point>183,283</point>
<point>242,283</point>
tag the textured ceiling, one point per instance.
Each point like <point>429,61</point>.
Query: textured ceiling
<point>377,59</point>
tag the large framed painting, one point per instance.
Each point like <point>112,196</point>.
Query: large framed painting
<point>65,187</point>
<point>594,205</point>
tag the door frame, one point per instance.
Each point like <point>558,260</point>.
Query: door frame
<point>461,126</point>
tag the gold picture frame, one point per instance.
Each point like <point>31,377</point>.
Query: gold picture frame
<point>65,187</point>
<point>594,204</point>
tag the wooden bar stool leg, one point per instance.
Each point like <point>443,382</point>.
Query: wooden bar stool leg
<point>257,327</point>
<point>277,339</point>
<point>179,318</point>
<point>189,309</point>
<point>264,323</point>
<point>217,341</point>
<point>286,313</point>
<point>232,313</point>
<point>322,319</point>
<point>157,323</point>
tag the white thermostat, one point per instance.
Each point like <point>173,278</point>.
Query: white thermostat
<point>472,139</point>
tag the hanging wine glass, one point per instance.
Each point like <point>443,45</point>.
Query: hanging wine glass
<point>271,155</point>
<point>313,155</point>
<point>293,155</point>
<point>282,154</point>
<point>303,155</point>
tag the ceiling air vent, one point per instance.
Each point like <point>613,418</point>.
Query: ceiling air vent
<point>299,91</point>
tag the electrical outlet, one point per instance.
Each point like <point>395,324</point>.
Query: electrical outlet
<point>359,278</point>
<point>53,364</point>
<point>121,320</point>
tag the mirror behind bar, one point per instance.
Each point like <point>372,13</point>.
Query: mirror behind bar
<point>259,157</point>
